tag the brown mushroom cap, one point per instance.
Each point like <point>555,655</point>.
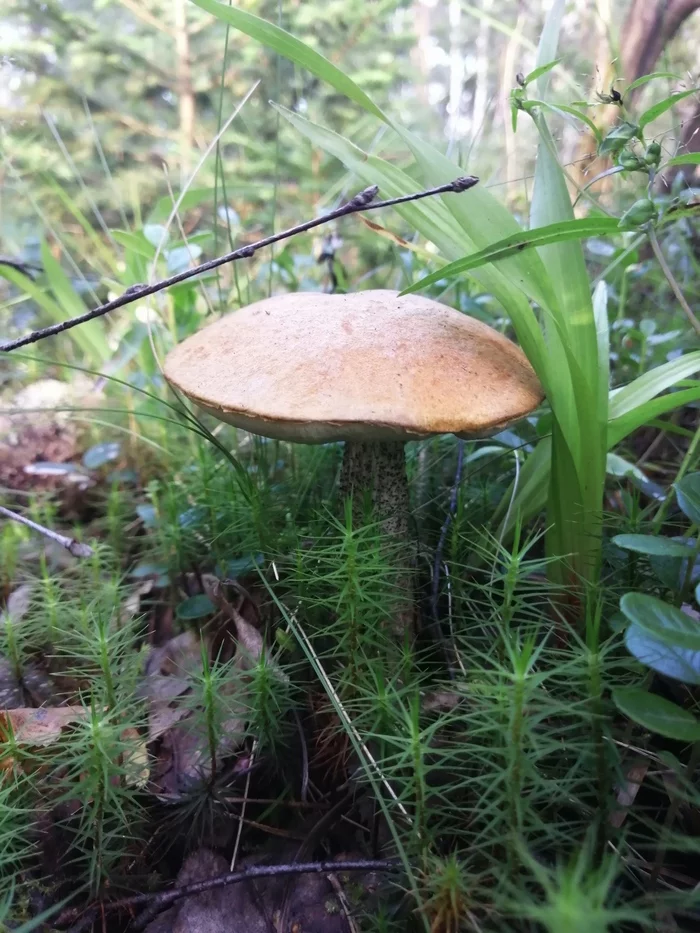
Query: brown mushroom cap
<point>312,367</point>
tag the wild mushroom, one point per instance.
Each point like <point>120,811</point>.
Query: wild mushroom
<point>372,369</point>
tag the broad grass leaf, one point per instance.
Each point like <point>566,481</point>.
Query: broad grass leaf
<point>652,383</point>
<point>518,242</point>
<point>292,48</point>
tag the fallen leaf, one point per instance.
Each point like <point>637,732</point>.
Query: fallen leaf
<point>18,603</point>
<point>39,727</point>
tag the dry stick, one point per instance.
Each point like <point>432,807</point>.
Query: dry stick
<point>76,548</point>
<point>158,902</point>
<point>361,202</point>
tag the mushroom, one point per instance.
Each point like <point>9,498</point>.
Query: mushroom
<point>373,369</point>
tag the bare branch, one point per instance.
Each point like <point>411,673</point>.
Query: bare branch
<point>76,548</point>
<point>160,901</point>
<point>361,202</point>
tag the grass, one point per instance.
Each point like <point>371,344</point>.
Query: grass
<point>221,672</point>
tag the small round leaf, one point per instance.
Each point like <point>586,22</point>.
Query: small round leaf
<point>657,714</point>
<point>664,622</point>
<point>196,607</point>
<point>100,454</point>
<point>651,544</point>
<point>678,663</point>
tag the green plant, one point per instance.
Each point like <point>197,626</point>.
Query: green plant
<point>567,346</point>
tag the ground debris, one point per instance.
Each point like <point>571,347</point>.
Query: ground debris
<point>254,906</point>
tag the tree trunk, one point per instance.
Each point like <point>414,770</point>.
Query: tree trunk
<point>649,26</point>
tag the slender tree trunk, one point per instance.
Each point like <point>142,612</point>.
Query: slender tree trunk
<point>649,27</point>
<point>186,105</point>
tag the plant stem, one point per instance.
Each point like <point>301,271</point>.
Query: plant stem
<point>671,814</point>
<point>675,287</point>
<point>682,470</point>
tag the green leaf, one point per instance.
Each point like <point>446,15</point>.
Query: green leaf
<point>542,70</point>
<point>192,198</point>
<point>679,663</point>
<point>657,714</point>
<point>517,242</point>
<point>196,607</point>
<point>688,495</point>
<point>690,158</point>
<point>549,43</point>
<point>619,467</point>
<point>92,334</point>
<point>673,571</point>
<point>289,47</point>
<point>646,413</point>
<point>651,544</point>
<point>135,243</point>
<point>617,138</point>
<point>662,621</point>
<point>83,339</point>
<point>563,109</point>
<point>657,110</point>
<point>652,383</point>
<point>100,454</point>
<point>650,77</point>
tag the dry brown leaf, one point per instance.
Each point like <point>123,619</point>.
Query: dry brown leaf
<point>39,727</point>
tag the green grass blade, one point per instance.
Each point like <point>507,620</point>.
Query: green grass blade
<point>518,242</point>
<point>91,334</point>
<point>652,383</point>
<point>620,428</point>
<point>52,310</point>
<point>292,48</point>
<point>653,113</point>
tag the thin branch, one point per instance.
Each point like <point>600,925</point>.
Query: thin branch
<point>670,278</point>
<point>361,202</point>
<point>160,901</point>
<point>26,268</point>
<point>76,548</point>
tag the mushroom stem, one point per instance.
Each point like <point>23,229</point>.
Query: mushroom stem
<point>378,469</point>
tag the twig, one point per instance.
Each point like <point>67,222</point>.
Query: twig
<point>76,548</point>
<point>361,202</point>
<point>26,268</point>
<point>159,901</point>
<point>675,287</point>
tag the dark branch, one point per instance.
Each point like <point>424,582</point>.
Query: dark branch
<point>26,268</point>
<point>158,902</point>
<point>361,202</point>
